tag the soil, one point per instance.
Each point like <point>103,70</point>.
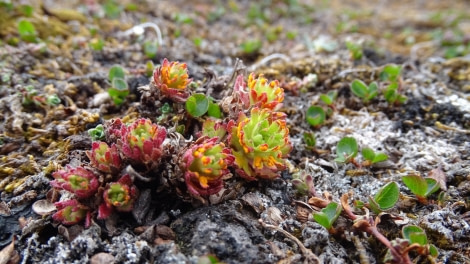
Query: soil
<point>300,43</point>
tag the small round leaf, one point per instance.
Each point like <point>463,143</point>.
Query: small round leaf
<point>197,105</point>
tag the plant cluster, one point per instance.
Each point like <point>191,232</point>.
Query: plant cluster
<point>414,238</point>
<point>255,145</point>
<point>347,150</point>
<point>391,82</point>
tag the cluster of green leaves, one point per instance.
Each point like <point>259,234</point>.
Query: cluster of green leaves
<point>361,90</point>
<point>316,115</point>
<point>355,50</point>
<point>119,89</point>
<point>31,97</point>
<point>199,104</point>
<point>390,78</point>
<point>251,46</point>
<point>97,133</point>
<point>391,74</point>
<point>347,150</point>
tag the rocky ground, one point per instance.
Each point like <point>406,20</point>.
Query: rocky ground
<point>312,48</point>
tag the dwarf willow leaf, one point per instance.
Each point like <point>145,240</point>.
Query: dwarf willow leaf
<point>116,72</point>
<point>315,115</point>
<point>346,149</point>
<point>328,215</point>
<point>416,184</point>
<point>197,105</point>
<point>359,88</point>
<point>387,196</point>
<point>415,234</point>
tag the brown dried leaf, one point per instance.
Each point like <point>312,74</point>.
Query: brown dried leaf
<point>7,252</point>
<point>4,209</point>
<point>439,175</point>
<point>102,258</point>
<point>43,207</point>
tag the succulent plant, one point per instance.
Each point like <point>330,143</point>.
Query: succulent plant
<point>172,79</point>
<point>142,140</point>
<point>260,143</point>
<point>118,195</point>
<point>103,157</point>
<point>206,163</point>
<point>213,128</point>
<point>263,94</point>
<point>71,212</point>
<point>80,181</point>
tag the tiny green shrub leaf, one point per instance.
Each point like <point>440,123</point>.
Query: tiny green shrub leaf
<point>359,88</point>
<point>116,72</point>
<point>214,110</point>
<point>368,154</point>
<point>197,105</point>
<point>119,91</point>
<point>328,215</point>
<point>373,91</point>
<point>433,250</point>
<point>329,97</point>
<point>379,157</point>
<point>97,133</point>
<point>415,234</point>
<point>309,139</point>
<point>27,31</point>
<point>150,49</point>
<point>346,149</point>
<point>315,115</point>
<point>416,184</point>
<point>432,186</point>
<point>387,196</point>
<point>390,73</point>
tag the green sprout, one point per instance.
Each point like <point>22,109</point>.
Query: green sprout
<point>309,139</point>
<point>119,89</point>
<point>392,96</point>
<point>97,44</point>
<point>53,100</point>
<point>421,187</point>
<point>251,46</point>
<point>385,198</point>
<point>329,98</point>
<point>112,9</point>
<point>150,48</point>
<point>361,90</point>
<point>355,50</point>
<point>390,73</point>
<point>416,235</point>
<point>27,31</point>
<point>328,216</point>
<point>197,105</point>
<point>97,133</point>
<point>372,157</point>
<point>315,116</point>
<point>214,109</point>
<point>346,150</point>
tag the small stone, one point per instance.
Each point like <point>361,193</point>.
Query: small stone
<point>102,258</point>
<point>43,207</point>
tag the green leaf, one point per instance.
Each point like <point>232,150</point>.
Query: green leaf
<point>433,250</point>
<point>368,154</point>
<point>329,97</point>
<point>416,184</point>
<point>214,110</point>
<point>309,139</point>
<point>315,115</point>
<point>372,91</point>
<point>432,186</point>
<point>346,149</point>
<point>328,215</point>
<point>387,196</point>
<point>415,234</point>
<point>390,73</point>
<point>379,157</point>
<point>97,133</point>
<point>150,49</point>
<point>359,88</point>
<point>116,72</point>
<point>27,31</point>
<point>197,105</point>
<point>119,84</point>
<point>119,91</point>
